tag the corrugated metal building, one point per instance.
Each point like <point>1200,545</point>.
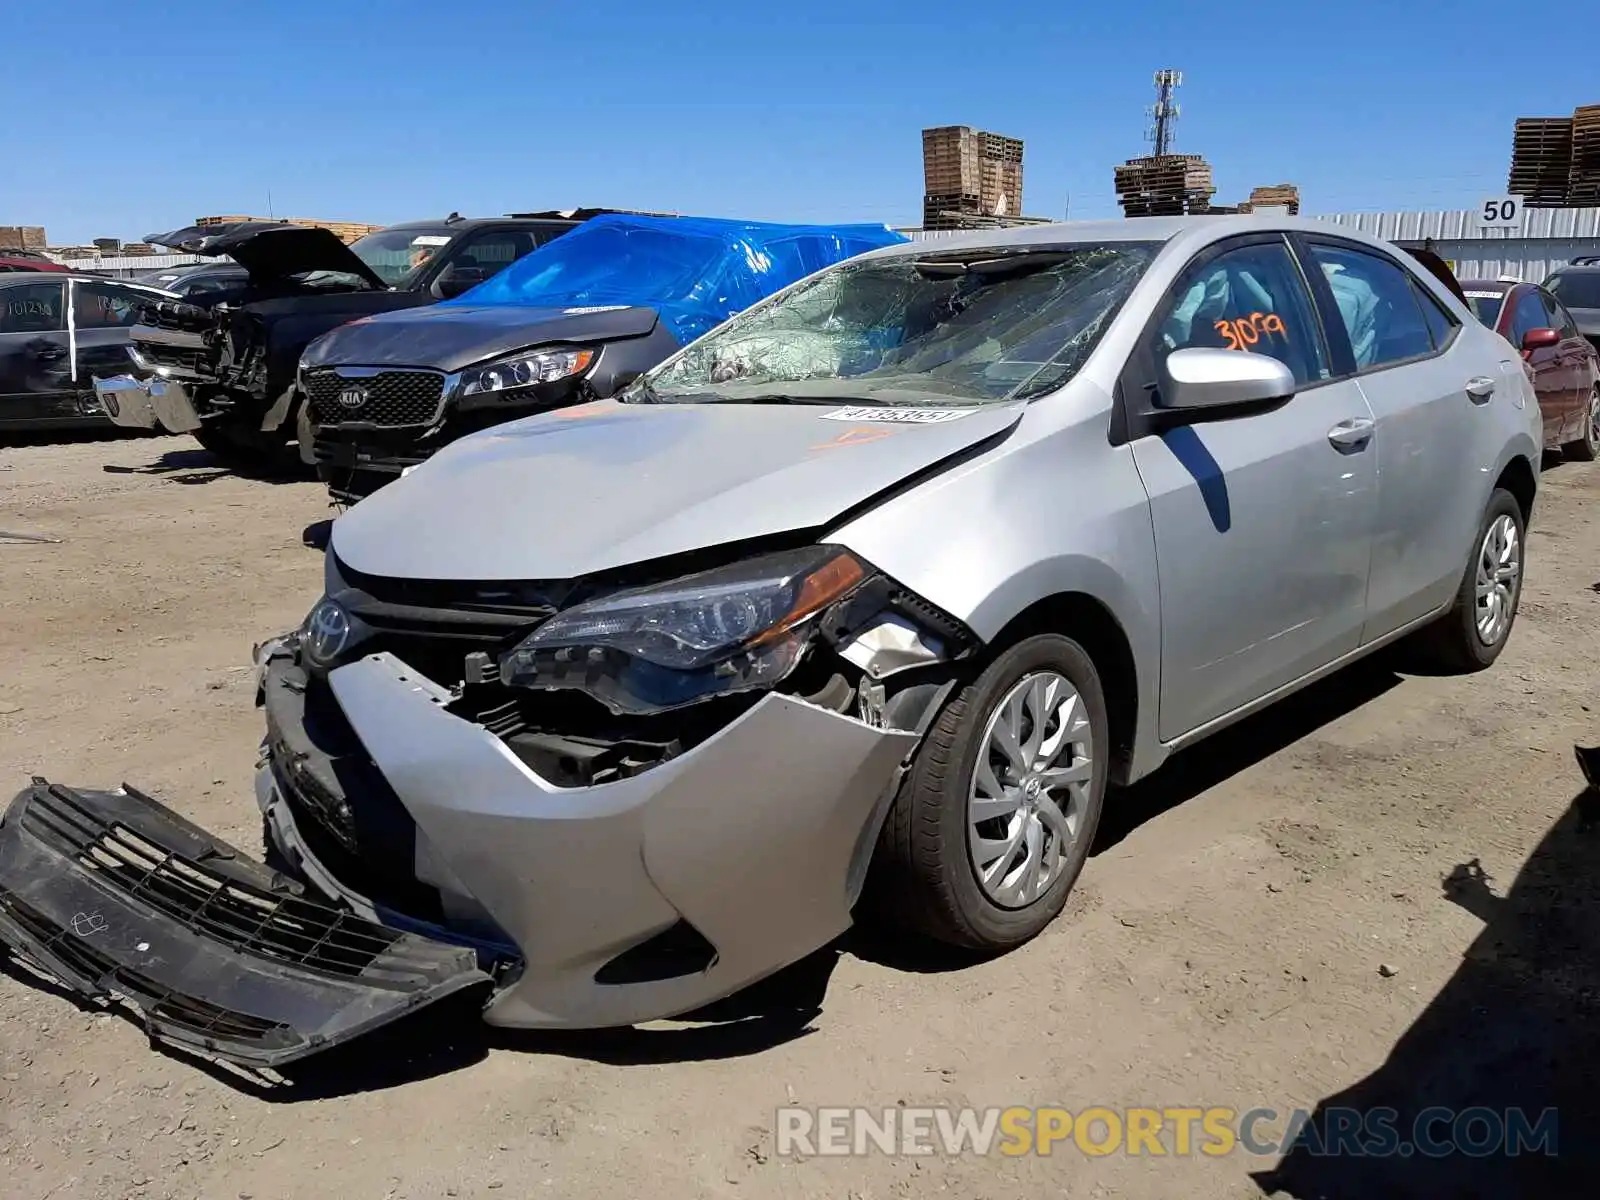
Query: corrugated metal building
<point>127,266</point>
<point>1549,237</point>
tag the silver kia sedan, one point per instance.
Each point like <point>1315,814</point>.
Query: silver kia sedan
<point>870,599</point>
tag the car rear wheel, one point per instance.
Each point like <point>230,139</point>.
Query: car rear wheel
<point>1471,635</point>
<point>1586,448</point>
<point>993,823</point>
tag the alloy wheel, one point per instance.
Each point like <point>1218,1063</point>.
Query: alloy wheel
<point>1591,429</point>
<point>1030,788</point>
<point>1499,574</point>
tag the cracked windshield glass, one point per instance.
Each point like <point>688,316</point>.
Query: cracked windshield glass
<point>985,327</point>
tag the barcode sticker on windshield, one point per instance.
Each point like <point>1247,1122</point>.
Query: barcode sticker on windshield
<point>897,416</point>
<point>429,239</point>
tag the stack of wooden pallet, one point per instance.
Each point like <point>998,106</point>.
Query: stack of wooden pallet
<point>1274,195</point>
<point>1583,174</point>
<point>1167,185</point>
<point>347,231</point>
<point>967,174</point>
<point>1541,161</point>
<point>22,237</point>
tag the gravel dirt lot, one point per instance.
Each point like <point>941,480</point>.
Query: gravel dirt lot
<point>1223,947</point>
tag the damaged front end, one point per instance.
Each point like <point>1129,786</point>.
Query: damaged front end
<point>612,799</point>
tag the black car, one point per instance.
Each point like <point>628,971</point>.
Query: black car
<point>216,281</point>
<point>223,364</point>
<point>1577,286</point>
<point>58,333</point>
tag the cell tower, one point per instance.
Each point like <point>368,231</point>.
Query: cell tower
<point>1164,113</point>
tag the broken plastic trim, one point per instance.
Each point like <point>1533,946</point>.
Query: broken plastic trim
<point>118,897</point>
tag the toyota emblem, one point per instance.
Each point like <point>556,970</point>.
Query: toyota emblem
<point>353,396</point>
<point>327,631</point>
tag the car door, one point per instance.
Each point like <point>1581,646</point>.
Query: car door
<point>1262,522</point>
<point>35,357</point>
<point>1429,393</point>
<point>1574,354</point>
<point>1527,313</point>
<point>102,314</point>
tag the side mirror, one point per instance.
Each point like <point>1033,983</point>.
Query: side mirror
<point>1200,378</point>
<point>1538,339</point>
<point>456,280</point>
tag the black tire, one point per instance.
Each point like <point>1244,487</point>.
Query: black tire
<point>1587,447</point>
<point>249,451</point>
<point>922,874</point>
<point>1453,642</point>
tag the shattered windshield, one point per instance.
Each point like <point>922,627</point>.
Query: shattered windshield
<point>985,326</point>
<point>397,255</point>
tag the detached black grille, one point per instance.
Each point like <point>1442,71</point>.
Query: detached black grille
<point>389,398</point>
<point>303,932</point>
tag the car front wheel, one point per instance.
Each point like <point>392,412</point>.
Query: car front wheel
<point>994,821</point>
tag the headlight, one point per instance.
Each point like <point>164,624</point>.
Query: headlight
<point>524,370</point>
<point>654,648</point>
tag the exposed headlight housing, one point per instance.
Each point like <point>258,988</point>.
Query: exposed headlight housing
<point>728,630</point>
<point>524,370</point>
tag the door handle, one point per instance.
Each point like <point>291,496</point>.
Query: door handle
<point>45,352</point>
<point>1351,435</point>
<point>1479,389</point>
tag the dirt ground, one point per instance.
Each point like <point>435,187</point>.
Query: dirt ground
<point>1223,947</point>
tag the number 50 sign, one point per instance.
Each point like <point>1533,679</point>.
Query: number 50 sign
<point>1500,212</point>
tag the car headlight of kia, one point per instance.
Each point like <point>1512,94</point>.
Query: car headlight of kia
<point>653,648</point>
<point>524,370</point>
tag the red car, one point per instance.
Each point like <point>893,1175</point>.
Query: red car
<point>26,260</point>
<point>1564,365</point>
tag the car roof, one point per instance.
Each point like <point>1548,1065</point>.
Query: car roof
<point>462,224</point>
<point>20,277</point>
<point>1194,231</point>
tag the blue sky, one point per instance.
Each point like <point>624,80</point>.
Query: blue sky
<point>123,118</point>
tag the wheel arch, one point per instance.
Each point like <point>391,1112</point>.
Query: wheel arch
<point>1520,479</point>
<point>1090,622</point>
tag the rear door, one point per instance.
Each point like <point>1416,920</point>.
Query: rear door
<point>102,314</point>
<point>1429,395</point>
<point>1549,373</point>
<point>1575,355</point>
<point>35,358</point>
<point>1263,521</point>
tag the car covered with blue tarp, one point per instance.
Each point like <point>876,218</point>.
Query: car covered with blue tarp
<point>578,319</point>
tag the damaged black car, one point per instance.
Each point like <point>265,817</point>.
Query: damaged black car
<point>221,363</point>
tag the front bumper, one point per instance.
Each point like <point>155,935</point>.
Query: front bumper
<point>153,403</point>
<point>757,839</point>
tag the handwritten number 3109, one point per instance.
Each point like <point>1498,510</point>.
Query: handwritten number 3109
<point>1247,331</point>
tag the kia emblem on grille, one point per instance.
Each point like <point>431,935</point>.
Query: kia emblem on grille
<point>352,397</point>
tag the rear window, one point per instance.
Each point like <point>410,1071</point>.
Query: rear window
<point>1576,289</point>
<point>1486,306</point>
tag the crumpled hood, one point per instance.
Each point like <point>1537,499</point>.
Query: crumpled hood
<point>270,250</point>
<point>448,337</point>
<point>608,484</point>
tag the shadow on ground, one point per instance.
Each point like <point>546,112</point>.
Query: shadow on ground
<point>1516,1028</point>
<point>194,465</point>
<point>1239,747</point>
